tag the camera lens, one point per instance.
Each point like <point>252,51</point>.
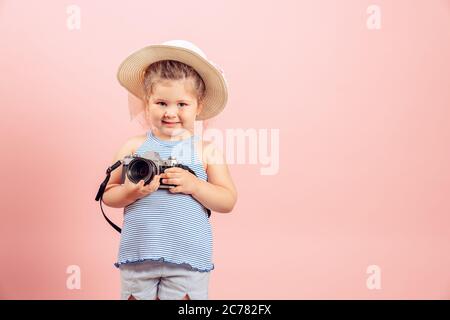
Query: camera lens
<point>141,169</point>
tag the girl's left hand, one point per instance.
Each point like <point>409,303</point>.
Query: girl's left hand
<point>185,181</point>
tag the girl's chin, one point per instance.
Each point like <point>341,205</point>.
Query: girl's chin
<point>174,131</point>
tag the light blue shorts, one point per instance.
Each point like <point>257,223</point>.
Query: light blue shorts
<point>150,279</point>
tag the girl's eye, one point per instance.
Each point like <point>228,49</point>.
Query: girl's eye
<point>160,103</point>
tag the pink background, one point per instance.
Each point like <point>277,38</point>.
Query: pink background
<point>364,144</point>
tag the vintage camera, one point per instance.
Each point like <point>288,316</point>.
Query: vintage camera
<point>145,167</point>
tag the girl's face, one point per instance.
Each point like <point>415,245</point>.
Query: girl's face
<point>172,108</point>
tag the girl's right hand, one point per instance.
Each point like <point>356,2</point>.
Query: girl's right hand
<point>136,191</point>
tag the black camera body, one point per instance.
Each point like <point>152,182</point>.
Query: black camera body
<point>145,167</point>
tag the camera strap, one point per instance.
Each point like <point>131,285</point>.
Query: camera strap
<point>101,191</point>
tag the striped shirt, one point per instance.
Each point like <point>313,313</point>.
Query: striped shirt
<point>164,226</point>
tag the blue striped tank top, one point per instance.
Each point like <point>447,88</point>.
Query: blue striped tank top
<point>164,226</point>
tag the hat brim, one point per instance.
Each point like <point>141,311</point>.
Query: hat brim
<point>131,75</point>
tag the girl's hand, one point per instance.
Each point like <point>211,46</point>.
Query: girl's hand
<point>137,190</point>
<point>185,181</point>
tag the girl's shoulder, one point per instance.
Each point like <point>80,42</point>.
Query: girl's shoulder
<point>131,145</point>
<point>209,152</point>
<point>136,141</point>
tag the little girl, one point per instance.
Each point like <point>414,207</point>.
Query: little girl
<point>166,241</point>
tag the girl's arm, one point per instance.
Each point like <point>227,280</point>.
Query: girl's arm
<point>218,193</point>
<point>117,197</point>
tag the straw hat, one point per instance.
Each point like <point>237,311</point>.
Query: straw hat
<point>132,69</point>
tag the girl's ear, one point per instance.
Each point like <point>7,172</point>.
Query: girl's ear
<point>146,110</point>
<point>199,108</point>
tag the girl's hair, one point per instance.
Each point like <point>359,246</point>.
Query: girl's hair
<point>172,70</point>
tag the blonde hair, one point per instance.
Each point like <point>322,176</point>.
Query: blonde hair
<point>172,70</point>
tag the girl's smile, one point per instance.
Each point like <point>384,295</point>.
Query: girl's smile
<point>170,123</point>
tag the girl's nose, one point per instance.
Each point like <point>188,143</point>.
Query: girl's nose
<point>170,112</point>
